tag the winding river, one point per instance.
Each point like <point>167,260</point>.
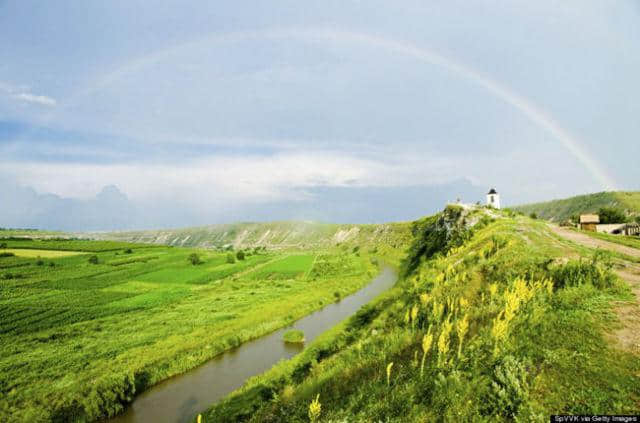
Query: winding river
<point>180,398</point>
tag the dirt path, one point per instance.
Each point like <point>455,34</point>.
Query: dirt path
<point>628,335</point>
<point>588,241</point>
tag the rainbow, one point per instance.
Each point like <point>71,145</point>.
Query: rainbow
<point>525,106</point>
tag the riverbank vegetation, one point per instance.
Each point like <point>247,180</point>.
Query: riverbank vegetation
<point>490,323</point>
<point>79,337</point>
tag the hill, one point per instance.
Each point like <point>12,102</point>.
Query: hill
<point>272,235</point>
<point>560,210</point>
<point>486,324</point>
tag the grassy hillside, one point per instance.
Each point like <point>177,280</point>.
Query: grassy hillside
<point>85,324</point>
<point>560,210</point>
<point>273,235</point>
<point>489,324</point>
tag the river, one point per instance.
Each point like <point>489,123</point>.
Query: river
<point>180,398</point>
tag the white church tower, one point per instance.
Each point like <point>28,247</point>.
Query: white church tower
<point>493,199</point>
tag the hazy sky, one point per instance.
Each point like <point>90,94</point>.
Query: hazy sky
<point>201,112</point>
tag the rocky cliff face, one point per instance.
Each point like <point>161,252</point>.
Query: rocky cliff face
<point>274,235</point>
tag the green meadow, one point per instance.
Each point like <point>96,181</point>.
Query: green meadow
<point>85,324</point>
<point>490,323</point>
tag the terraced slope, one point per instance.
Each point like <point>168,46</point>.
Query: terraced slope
<point>560,210</point>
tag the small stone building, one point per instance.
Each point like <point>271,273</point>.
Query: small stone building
<point>589,222</point>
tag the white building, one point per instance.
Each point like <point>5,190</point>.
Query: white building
<point>493,199</point>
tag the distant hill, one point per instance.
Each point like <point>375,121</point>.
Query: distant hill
<point>559,210</point>
<point>274,235</point>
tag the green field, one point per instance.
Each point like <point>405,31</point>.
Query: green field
<point>502,321</point>
<point>25,252</point>
<point>78,338</point>
<point>488,324</point>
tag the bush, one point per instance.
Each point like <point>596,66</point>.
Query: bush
<point>533,215</point>
<point>40,262</point>
<point>3,245</point>
<point>194,259</point>
<point>240,255</point>
<point>128,251</point>
<point>231,258</point>
<point>294,336</point>
<point>6,254</point>
<point>597,272</point>
<point>612,215</point>
<point>93,259</point>
<point>510,390</point>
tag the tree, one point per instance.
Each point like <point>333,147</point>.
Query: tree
<point>231,258</point>
<point>240,255</point>
<point>3,245</point>
<point>194,259</point>
<point>612,215</point>
<point>533,215</point>
<point>93,259</point>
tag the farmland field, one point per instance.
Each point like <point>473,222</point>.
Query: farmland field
<point>84,325</point>
<point>25,252</point>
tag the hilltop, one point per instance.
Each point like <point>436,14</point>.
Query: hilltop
<point>272,235</point>
<point>563,209</point>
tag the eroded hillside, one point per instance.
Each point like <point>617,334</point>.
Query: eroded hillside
<point>273,235</point>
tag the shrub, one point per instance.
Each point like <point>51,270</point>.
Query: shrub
<point>612,215</point>
<point>194,259</point>
<point>533,215</point>
<point>6,254</point>
<point>128,251</point>
<point>510,390</point>
<point>40,262</point>
<point>3,245</point>
<point>93,259</point>
<point>597,272</point>
<point>231,258</point>
<point>240,255</point>
<point>294,336</point>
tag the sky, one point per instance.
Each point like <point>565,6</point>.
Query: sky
<point>135,114</point>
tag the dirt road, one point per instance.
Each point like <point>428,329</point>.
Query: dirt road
<point>628,335</point>
<point>588,241</point>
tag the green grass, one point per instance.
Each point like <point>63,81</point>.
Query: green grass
<point>79,338</point>
<point>70,244</point>
<point>294,336</point>
<point>554,357</point>
<point>291,267</point>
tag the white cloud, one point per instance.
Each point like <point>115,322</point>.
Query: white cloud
<point>42,100</point>
<point>237,179</point>
<point>23,94</point>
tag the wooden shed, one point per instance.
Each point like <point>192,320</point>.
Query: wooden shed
<point>588,222</point>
